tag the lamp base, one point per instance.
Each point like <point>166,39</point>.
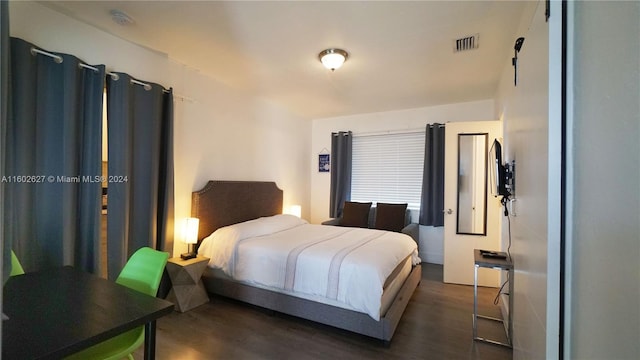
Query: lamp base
<point>187,256</point>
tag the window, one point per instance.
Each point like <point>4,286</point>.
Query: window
<point>388,168</point>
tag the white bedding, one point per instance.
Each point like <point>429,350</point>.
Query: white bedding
<point>347,265</point>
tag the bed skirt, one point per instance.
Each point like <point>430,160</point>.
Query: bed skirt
<point>350,320</point>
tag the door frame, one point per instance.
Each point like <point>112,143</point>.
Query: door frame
<point>458,264</point>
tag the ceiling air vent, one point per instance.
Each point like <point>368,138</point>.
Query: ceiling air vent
<point>465,43</point>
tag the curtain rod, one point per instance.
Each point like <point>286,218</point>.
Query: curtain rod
<point>58,59</point>
<point>390,132</point>
<point>399,131</point>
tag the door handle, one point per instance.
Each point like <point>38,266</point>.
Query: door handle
<point>448,211</point>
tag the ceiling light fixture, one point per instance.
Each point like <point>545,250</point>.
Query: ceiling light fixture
<point>333,58</point>
<point>120,18</point>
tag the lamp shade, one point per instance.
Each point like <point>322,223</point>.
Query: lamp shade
<point>191,230</point>
<point>333,58</point>
<point>295,210</point>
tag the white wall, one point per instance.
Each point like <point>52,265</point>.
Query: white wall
<point>524,110</point>
<point>431,239</point>
<point>224,134</point>
<point>603,283</point>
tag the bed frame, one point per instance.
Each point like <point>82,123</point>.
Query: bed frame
<point>222,203</point>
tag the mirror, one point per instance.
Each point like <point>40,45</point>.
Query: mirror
<point>472,184</point>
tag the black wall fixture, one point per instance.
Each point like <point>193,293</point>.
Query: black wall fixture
<point>514,60</point>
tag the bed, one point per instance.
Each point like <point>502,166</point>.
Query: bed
<point>239,207</point>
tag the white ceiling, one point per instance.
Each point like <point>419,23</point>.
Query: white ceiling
<point>400,53</point>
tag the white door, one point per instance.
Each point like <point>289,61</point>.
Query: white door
<point>466,193</point>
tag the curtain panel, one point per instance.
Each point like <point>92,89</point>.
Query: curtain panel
<point>140,167</point>
<point>432,201</point>
<point>52,151</point>
<point>341,148</point>
<point>4,105</point>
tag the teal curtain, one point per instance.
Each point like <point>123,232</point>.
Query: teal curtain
<point>140,206</point>
<point>52,155</point>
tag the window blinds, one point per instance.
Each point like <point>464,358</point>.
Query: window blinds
<point>388,168</point>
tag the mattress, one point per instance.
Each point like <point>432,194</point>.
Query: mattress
<point>350,268</point>
<point>394,283</point>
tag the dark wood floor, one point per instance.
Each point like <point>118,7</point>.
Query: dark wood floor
<point>435,325</point>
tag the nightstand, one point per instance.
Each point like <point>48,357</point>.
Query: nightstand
<point>187,289</point>
<point>503,264</point>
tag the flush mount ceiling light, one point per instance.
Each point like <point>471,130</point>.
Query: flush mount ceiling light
<point>120,18</point>
<point>333,58</point>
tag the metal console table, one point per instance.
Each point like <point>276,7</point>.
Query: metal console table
<point>497,264</point>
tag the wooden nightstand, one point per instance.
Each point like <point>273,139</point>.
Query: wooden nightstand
<point>188,290</point>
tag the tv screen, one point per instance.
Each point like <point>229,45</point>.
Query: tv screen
<point>497,170</point>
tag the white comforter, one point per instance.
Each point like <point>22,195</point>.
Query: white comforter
<point>347,265</point>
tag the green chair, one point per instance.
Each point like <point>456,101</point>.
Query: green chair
<point>142,273</point>
<point>16,267</point>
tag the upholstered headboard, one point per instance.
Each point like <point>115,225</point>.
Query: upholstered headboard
<point>222,203</point>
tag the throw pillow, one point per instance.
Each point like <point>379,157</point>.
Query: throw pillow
<point>390,216</point>
<point>355,214</point>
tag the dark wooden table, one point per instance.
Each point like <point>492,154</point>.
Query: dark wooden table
<point>58,312</point>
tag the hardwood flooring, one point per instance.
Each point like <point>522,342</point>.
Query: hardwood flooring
<point>435,325</point>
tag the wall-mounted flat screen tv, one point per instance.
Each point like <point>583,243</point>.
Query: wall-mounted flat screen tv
<point>497,171</point>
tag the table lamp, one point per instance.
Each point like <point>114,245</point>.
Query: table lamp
<point>190,237</point>
<point>295,210</point>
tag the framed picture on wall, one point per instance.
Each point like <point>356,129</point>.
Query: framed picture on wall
<point>324,163</point>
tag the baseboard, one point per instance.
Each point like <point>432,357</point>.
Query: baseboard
<point>432,258</point>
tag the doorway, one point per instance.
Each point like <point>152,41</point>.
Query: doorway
<point>472,215</point>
